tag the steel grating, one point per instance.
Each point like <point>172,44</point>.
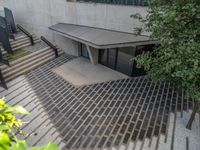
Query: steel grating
<point>106,115</point>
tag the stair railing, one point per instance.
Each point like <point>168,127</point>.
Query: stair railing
<point>3,60</point>
<point>51,45</point>
<point>27,33</point>
<point>6,62</point>
<point>10,19</point>
<point>5,24</point>
<point>2,81</point>
<point>4,39</point>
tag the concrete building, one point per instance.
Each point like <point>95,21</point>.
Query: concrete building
<point>105,17</point>
<point>89,102</point>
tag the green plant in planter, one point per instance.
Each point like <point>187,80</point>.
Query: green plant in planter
<point>9,123</point>
<point>176,25</point>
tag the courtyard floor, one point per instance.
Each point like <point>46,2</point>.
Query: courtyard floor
<point>80,72</point>
<point>132,113</point>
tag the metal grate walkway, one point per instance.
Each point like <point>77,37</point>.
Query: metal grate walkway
<point>109,114</point>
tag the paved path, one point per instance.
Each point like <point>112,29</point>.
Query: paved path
<point>125,114</point>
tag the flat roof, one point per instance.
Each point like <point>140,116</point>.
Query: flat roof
<point>98,37</point>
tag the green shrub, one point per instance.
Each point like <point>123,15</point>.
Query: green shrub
<point>9,124</point>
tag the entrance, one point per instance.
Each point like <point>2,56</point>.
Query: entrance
<point>120,59</point>
<point>84,51</point>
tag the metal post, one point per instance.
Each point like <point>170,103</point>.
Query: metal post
<point>2,60</point>
<point>10,19</point>
<point>51,45</point>
<point>27,33</point>
<point>3,82</point>
<point>4,23</point>
<point>4,39</point>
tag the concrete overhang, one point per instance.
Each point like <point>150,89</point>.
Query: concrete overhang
<point>100,38</point>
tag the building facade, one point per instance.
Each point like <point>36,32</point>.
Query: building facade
<point>38,15</point>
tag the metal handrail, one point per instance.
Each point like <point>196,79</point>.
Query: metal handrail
<point>4,39</point>
<point>3,82</point>
<point>3,60</point>
<point>51,45</point>
<point>27,33</point>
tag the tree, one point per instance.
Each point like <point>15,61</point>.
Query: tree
<point>176,25</point>
<point>9,124</point>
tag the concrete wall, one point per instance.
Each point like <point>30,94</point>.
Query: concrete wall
<point>38,15</point>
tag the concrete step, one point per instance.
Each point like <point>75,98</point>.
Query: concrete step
<point>26,64</point>
<point>24,41</point>
<point>22,44</point>
<point>3,67</point>
<point>19,37</point>
<point>25,45</point>
<point>12,42</point>
<point>27,59</point>
<point>30,66</point>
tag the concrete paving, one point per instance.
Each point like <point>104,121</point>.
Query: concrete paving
<point>37,126</point>
<point>80,72</point>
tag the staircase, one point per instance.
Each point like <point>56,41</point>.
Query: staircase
<point>40,53</point>
<point>22,41</point>
<point>26,50</point>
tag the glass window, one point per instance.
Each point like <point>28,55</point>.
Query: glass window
<point>120,59</point>
<point>108,57</point>
<point>124,62</point>
<point>84,51</point>
<point>119,2</point>
<point>104,56</point>
<point>112,58</point>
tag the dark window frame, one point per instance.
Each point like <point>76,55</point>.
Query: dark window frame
<point>81,51</point>
<point>143,3</point>
<point>134,71</point>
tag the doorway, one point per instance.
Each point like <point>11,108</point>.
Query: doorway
<point>84,51</point>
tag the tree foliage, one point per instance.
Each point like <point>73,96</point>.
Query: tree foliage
<point>9,124</point>
<point>176,25</point>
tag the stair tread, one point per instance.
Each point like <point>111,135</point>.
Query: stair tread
<point>26,59</point>
<point>20,47</point>
<point>23,39</point>
<point>23,42</point>
<point>25,45</point>
<point>27,69</point>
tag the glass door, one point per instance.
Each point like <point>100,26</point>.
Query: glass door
<point>124,62</point>
<point>108,57</point>
<point>84,51</point>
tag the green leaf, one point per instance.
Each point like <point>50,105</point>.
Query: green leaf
<point>18,145</point>
<point>4,141</point>
<point>5,128</point>
<point>49,146</point>
<point>2,103</point>
<point>17,110</point>
<point>21,110</point>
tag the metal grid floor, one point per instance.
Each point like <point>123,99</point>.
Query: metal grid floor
<point>109,114</point>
